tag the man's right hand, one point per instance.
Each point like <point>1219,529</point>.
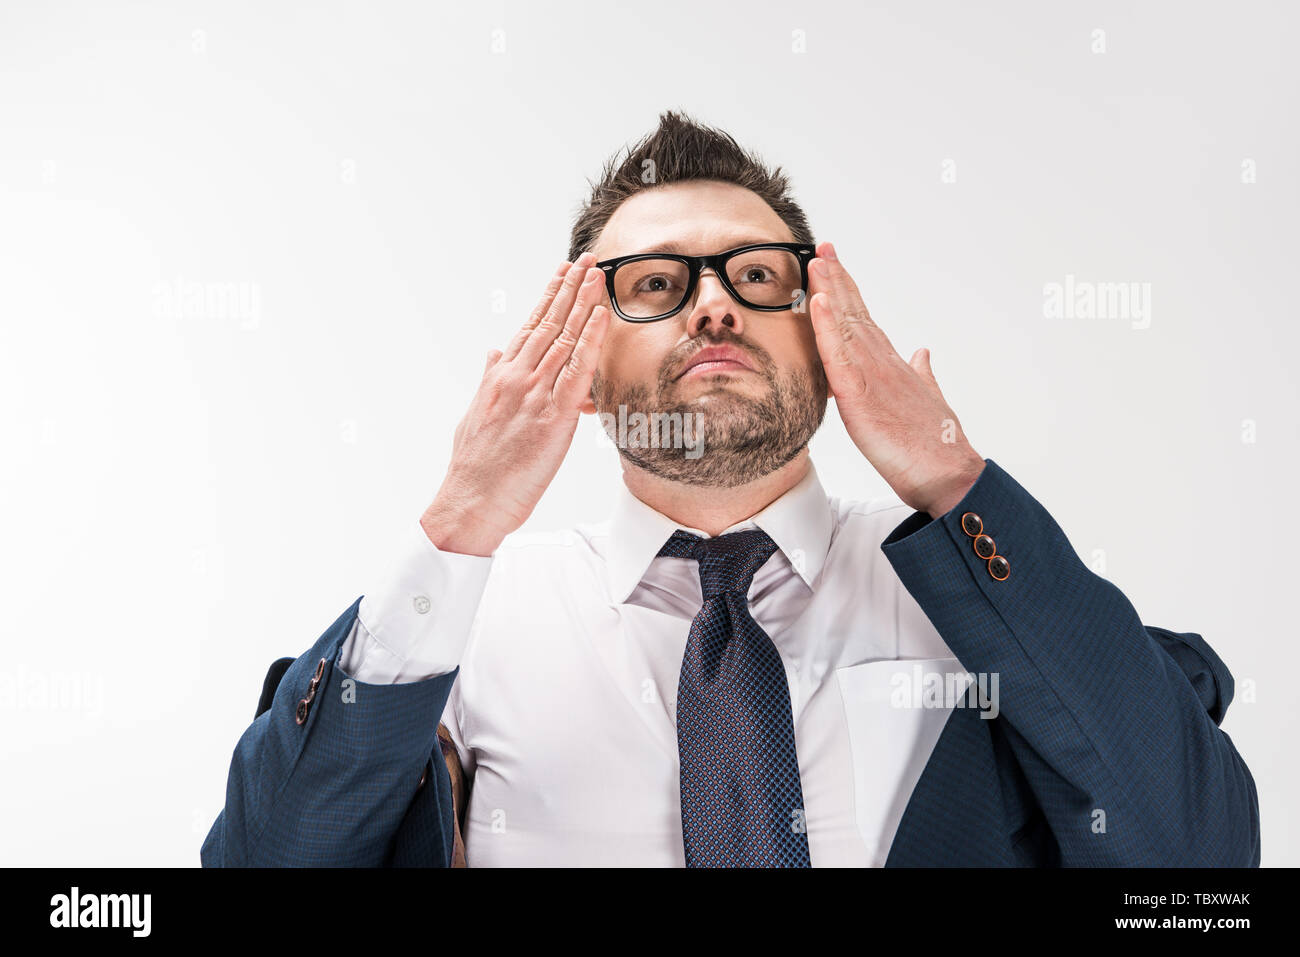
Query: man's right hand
<point>521,423</point>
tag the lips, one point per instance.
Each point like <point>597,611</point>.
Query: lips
<point>719,358</point>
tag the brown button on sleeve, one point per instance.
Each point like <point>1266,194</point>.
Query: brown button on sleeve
<point>304,705</point>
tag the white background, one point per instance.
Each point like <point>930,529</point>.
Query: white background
<point>191,489</point>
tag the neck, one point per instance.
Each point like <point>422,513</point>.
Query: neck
<point>709,508</point>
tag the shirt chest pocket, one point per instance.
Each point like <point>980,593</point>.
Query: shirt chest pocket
<point>895,711</point>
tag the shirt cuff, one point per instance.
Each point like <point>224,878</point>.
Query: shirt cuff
<point>416,623</point>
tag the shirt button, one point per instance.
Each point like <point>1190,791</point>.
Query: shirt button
<point>971,524</point>
<point>999,568</point>
<point>985,547</point>
<point>422,605</point>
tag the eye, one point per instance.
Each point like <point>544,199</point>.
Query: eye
<point>754,273</point>
<point>657,283</point>
<point>761,272</point>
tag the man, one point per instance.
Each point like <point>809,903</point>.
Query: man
<point>735,669</point>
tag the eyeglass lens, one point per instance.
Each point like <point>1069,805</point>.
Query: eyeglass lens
<point>645,288</point>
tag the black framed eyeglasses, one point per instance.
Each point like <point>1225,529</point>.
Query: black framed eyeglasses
<point>770,277</point>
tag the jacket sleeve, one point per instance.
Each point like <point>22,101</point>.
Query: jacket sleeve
<point>1115,724</point>
<point>333,789</point>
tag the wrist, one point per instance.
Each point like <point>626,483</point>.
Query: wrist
<point>952,490</point>
<point>452,525</point>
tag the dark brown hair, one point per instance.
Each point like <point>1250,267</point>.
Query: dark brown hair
<point>678,151</point>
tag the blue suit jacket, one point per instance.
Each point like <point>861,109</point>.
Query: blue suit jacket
<point>1106,751</point>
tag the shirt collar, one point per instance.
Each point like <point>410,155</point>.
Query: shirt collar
<point>799,522</point>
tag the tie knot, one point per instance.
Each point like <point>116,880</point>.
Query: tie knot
<point>728,562</point>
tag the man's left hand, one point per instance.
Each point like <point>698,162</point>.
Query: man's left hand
<point>893,409</point>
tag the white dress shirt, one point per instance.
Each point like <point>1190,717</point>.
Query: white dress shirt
<point>570,646</point>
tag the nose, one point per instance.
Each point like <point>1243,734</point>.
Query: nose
<point>712,307</point>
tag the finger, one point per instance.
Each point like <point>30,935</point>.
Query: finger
<point>854,321</point>
<point>554,316</point>
<point>840,278</point>
<point>847,301</point>
<point>842,374</point>
<point>573,384</point>
<point>548,296</point>
<point>920,361</point>
<point>558,353</point>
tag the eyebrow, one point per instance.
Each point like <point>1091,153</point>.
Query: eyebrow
<point>672,246</point>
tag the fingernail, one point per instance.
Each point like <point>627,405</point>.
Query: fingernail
<point>564,267</point>
<point>587,259</point>
<point>830,251</point>
<point>592,276</point>
<point>820,268</point>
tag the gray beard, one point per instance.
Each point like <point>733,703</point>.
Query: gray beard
<point>741,439</point>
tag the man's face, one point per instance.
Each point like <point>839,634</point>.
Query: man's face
<point>755,415</point>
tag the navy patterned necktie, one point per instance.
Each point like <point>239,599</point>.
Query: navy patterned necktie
<point>742,803</point>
